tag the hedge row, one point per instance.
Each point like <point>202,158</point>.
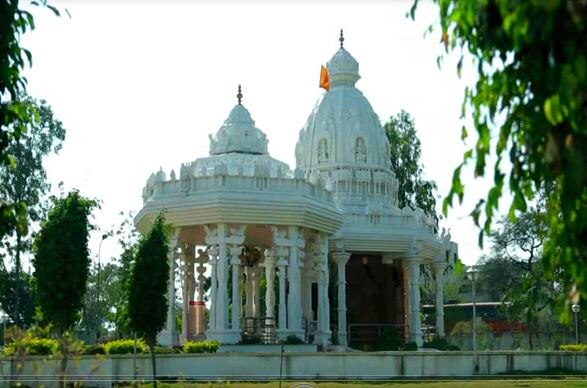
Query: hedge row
<point>574,347</point>
<point>47,346</point>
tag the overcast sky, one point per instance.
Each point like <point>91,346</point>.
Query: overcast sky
<point>140,85</point>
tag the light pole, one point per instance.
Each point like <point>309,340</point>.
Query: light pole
<point>472,275</point>
<point>98,290</point>
<point>576,308</point>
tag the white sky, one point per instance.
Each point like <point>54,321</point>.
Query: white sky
<point>139,85</point>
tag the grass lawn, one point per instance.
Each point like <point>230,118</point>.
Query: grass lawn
<point>537,382</point>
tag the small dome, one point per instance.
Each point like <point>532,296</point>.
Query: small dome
<point>239,135</point>
<point>343,68</point>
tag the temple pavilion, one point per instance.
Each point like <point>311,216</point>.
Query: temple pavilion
<point>310,252</point>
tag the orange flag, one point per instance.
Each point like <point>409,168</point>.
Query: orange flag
<point>324,79</point>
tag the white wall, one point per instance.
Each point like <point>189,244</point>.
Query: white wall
<point>308,366</point>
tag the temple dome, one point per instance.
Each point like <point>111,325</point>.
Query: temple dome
<point>343,68</point>
<point>239,135</point>
<point>342,128</point>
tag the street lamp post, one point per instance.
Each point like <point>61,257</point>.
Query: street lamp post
<point>576,308</point>
<point>98,290</point>
<point>472,275</point>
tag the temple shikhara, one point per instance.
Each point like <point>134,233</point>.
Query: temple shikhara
<point>309,252</point>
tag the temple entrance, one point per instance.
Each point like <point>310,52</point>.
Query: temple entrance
<point>375,301</point>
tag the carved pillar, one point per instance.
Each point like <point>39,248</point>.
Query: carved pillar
<point>188,290</point>
<point>201,260</point>
<point>225,239</point>
<point>412,265</point>
<point>236,295</point>
<point>222,275</point>
<point>256,289</point>
<point>320,256</point>
<point>281,265</point>
<point>213,252</point>
<point>341,258</point>
<point>270,292</point>
<point>438,269</point>
<point>169,336</point>
<point>249,292</point>
<point>308,279</point>
<point>294,302</point>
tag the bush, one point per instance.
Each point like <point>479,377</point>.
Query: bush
<point>390,340</point>
<point>124,346</point>
<point>440,343</point>
<point>164,350</point>
<point>574,347</point>
<point>250,340</point>
<point>93,349</point>
<point>411,346</point>
<point>32,346</point>
<point>293,340</point>
<point>201,346</point>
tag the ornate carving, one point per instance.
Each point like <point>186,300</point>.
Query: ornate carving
<point>360,151</point>
<point>323,154</point>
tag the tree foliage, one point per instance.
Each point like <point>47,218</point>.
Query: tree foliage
<point>529,108</point>
<point>515,268</point>
<point>102,295</point>
<point>62,260</point>
<point>405,153</point>
<point>26,181</point>
<point>147,303</point>
<point>15,115</point>
<point>22,309</point>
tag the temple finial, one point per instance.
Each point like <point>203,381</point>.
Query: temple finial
<point>239,96</point>
<point>341,39</point>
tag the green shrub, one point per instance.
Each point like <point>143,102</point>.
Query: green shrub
<point>293,340</point>
<point>164,350</point>
<point>33,346</point>
<point>124,346</point>
<point>250,340</point>
<point>201,346</point>
<point>93,349</point>
<point>390,340</point>
<point>574,347</point>
<point>440,344</point>
<point>411,346</point>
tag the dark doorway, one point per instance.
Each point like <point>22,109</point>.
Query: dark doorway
<point>375,296</point>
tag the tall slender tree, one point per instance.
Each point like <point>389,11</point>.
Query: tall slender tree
<point>148,286</point>
<point>62,264</point>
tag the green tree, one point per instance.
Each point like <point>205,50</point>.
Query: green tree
<point>405,153</point>
<point>528,108</point>
<point>497,275</point>
<point>128,241</point>
<point>11,285</point>
<point>517,246</point>
<point>27,181</point>
<point>15,115</point>
<point>100,300</point>
<point>62,264</point>
<point>147,304</point>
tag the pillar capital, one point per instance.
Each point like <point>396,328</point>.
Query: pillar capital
<point>340,257</point>
<point>438,266</point>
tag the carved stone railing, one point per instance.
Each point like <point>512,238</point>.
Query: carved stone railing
<point>240,184</point>
<point>393,220</point>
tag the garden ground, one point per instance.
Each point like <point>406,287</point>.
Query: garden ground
<point>535,382</point>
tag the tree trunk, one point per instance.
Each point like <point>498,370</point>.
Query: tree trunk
<point>153,365</point>
<point>62,375</point>
<point>529,324</point>
<point>17,273</point>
